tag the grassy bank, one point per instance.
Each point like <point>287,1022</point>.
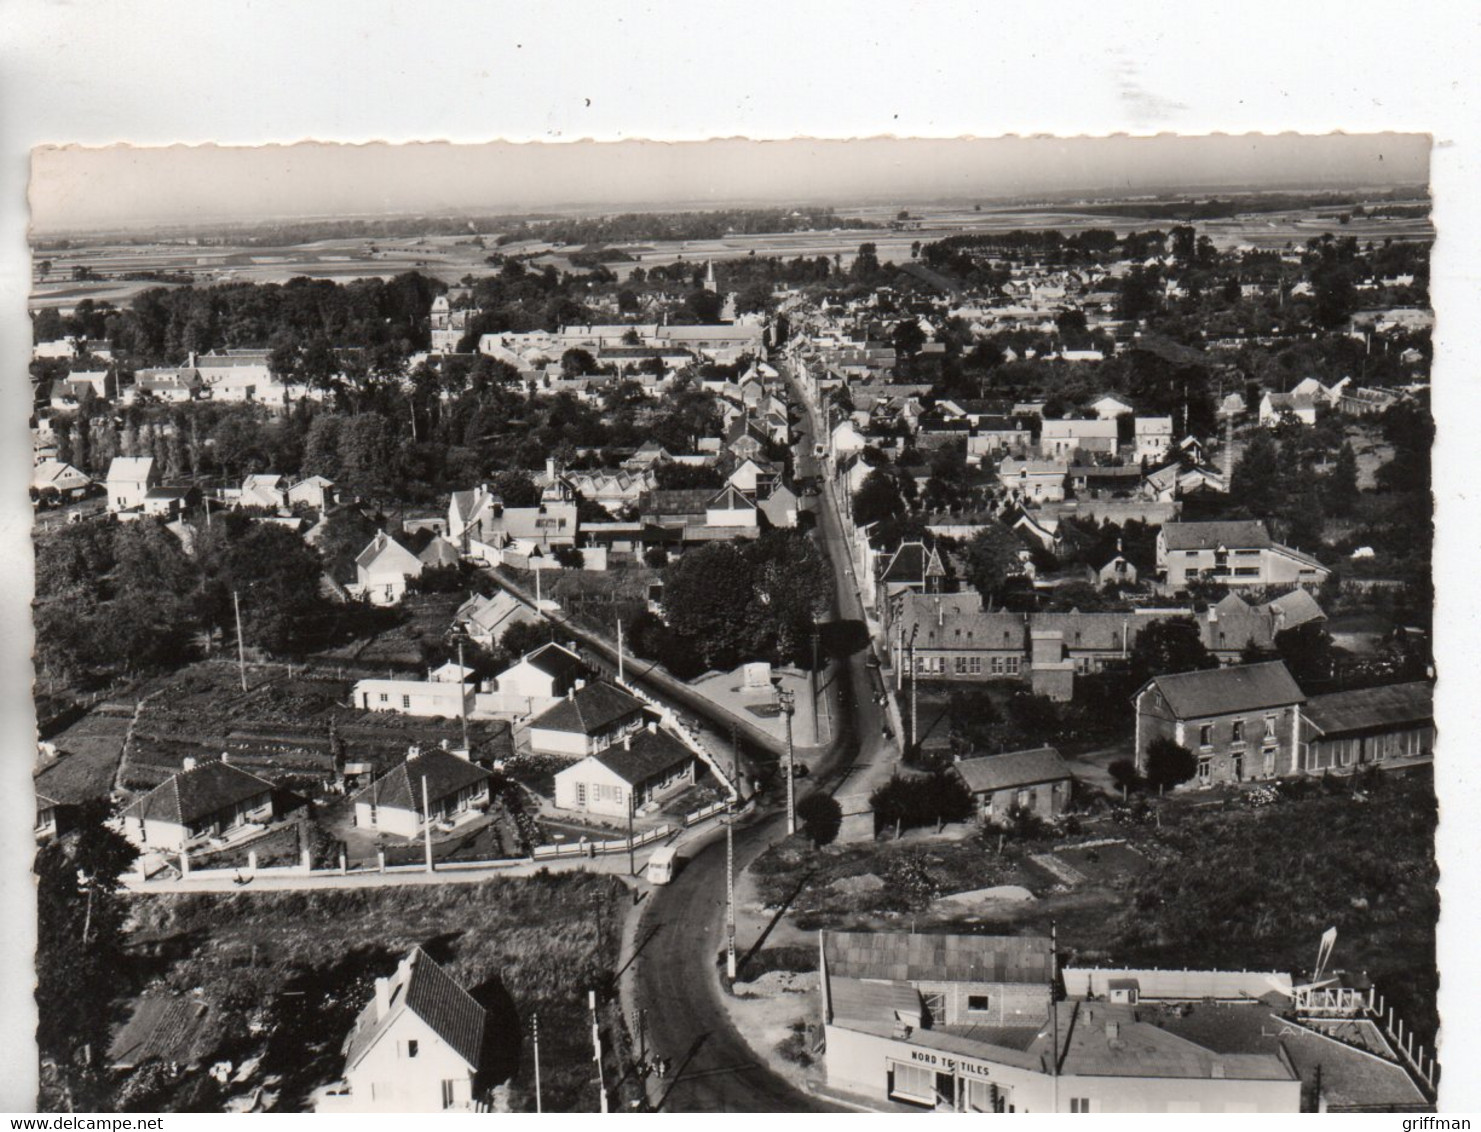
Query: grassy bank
<point>285,974</point>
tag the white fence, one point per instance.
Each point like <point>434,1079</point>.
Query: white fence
<point>1180,986</point>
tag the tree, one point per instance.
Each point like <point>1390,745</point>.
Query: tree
<point>1168,646</point>
<point>866,263</point>
<point>577,362</point>
<point>80,964</point>
<point>276,578</point>
<point>344,535</point>
<point>821,818</point>
<point>526,636</point>
<point>992,558</point>
<point>703,306</point>
<point>708,594</point>
<point>909,337</point>
<point>877,499</point>
<point>1342,482</point>
<point>1308,652</point>
<point>516,488</point>
<point>1169,764</point>
<point>1256,481</point>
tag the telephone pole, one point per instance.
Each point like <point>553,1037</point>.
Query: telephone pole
<point>914,685</point>
<point>463,698</point>
<point>426,824</point>
<point>236,603</point>
<point>730,857</point>
<point>620,677</point>
<point>535,1032</point>
<point>785,704</point>
<point>596,1042</point>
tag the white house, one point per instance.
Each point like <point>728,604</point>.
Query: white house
<point>547,674</point>
<point>1153,438</point>
<point>1109,406</point>
<point>846,439</point>
<point>129,481</point>
<point>588,720</point>
<point>64,479</point>
<point>642,770</point>
<point>487,619</point>
<point>202,801</point>
<point>263,490</point>
<point>1059,440</point>
<point>416,1047</point>
<point>381,570</point>
<point>1275,406</point>
<point>1234,552</point>
<point>414,697</point>
<point>781,508</point>
<point>730,508</point>
<point>1041,481</point>
<point>455,788</point>
<point>316,492</point>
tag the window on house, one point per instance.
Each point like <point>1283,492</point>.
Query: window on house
<point>447,1093</point>
<point>1191,573</point>
<point>1237,731</point>
<point>581,793</point>
<point>961,666</point>
<point>934,1004</point>
<point>411,1048</point>
<point>1206,735</point>
<point>1205,769</point>
<point>974,665</point>
<point>1270,727</point>
<point>1012,665</point>
<point>1022,799</point>
<point>384,697</point>
<point>405,703</point>
<point>1079,1104</point>
<point>1247,571</point>
<point>912,1083</point>
<point>978,1003</point>
<point>997,666</point>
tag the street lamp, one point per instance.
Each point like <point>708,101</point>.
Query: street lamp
<point>785,706</point>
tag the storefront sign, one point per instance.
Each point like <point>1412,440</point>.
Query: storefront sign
<point>944,1064</point>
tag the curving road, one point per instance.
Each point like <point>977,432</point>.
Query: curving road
<point>681,937</point>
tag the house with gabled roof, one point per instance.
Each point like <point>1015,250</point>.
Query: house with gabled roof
<point>315,491</point>
<point>1109,406</point>
<point>263,490</point>
<point>590,719</point>
<point>456,790</point>
<point>417,1046</point>
<point>545,674</point>
<point>1234,552</point>
<point>1036,781</point>
<point>382,570</point>
<point>782,507</point>
<point>61,478</point>
<point>129,480</point>
<point>204,800</point>
<point>487,619</point>
<point>439,553</point>
<point>645,768</point>
<point>1240,722</point>
<point>730,507</point>
<point>1276,407</point>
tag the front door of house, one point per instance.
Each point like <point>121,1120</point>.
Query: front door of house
<point>945,1092</point>
<point>1238,767</point>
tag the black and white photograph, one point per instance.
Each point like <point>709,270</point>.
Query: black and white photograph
<point>881,624</point>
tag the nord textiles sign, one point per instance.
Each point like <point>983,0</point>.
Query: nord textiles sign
<point>951,1064</point>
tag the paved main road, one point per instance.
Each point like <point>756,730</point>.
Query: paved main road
<point>681,936</point>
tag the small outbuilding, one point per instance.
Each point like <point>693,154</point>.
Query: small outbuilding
<point>1037,781</point>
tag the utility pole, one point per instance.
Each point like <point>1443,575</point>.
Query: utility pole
<point>914,686</point>
<point>730,968</point>
<point>463,698</point>
<point>817,736</point>
<point>632,868</point>
<point>596,1044</point>
<point>426,824</point>
<point>241,648</point>
<point>535,1031</point>
<point>619,651</point>
<point>1054,1004</point>
<point>784,702</point>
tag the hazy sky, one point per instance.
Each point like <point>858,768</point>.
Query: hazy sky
<point>120,186</point>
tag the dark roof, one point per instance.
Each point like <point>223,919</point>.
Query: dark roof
<point>947,958</point>
<point>1012,769</point>
<point>1219,691</point>
<point>643,756</point>
<point>675,501</point>
<point>1372,709</point>
<point>401,787</point>
<point>439,552</point>
<point>913,562</point>
<point>429,992</point>
<point>556,660</point>
<point>197,793</point>
<point>1244,534</point>
<point>589,711</point>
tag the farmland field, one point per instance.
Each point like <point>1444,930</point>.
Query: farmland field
<point>450,258</point>
<point>283,975</point>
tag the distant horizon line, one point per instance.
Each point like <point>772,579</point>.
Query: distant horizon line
<point>1000,201</point>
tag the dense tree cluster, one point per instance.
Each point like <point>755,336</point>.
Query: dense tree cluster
<point>711,225</point>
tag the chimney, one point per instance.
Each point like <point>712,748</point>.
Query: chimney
<point>550,468</point>
<point>627,742</point>
<point>653,727</point>
<point>226,756</point>
<point>188,763</point>
<point>1213,616</point>
<point>580,683</point>
<point>382,998</point>
<point>413,752</point>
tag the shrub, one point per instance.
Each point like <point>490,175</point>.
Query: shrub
<point>1169,764</point>
<point>821,817</point>
<point>921,800</point>
<point>1125,775</point>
